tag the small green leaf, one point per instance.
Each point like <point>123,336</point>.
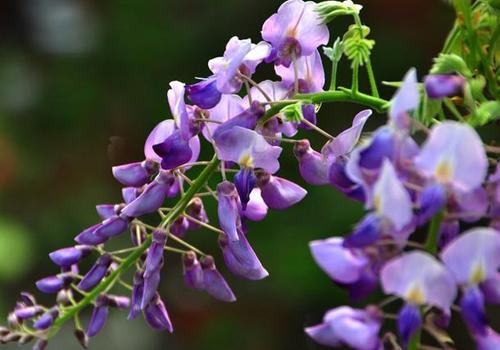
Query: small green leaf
<point>330,10</point>
<point>335,52</point>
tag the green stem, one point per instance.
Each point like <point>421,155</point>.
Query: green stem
<point>432,238</point>
<point>414,342</point>
<point>134,256</point>
<point>371,78</point>
<point>355,79</point>
<point>345,95</point>
<point>333,81</point>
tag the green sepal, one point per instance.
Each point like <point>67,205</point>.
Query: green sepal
<point>293,113</point>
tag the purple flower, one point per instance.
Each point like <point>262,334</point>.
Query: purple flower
<point>99,316</point>
<point>490,340</point>
<point>111,227</point>
<point>240,57</point>
<point>342,264</point>
<point>151,284</point>
<point>117,301</point>
<point>355,328</point>
<point>228,212</point>
<point>247,148</point>
<point>53,284</point>
<point>27,312</point>
<point>409,321</point>
<point>473,257</point>
<point>160,134</point>
<point>256,209</point>
<point>491,289</point>
<point>367,232</point>
<point>310,74</point>
<point>273,89</point>
<point>46,320</point>
<point>432,200</point>
<point>443,85</point>
<point>137,292</point>
<point>454,155</point>
<point>473,311</point>
<point>152,197</point>
<point>135,174</point>
<point>246,119</point>
<point>154,257</point>
<point>175,151</point>
<point>196,210</point>
<point>390,199</point>
<point>69,256</point>
<point>215,284</point>
<point>96,273</point>
<point>344,143</point>
<point>229,107</point>
<point>245,181</point>
<point>420,279</point>
<point>192,271</point>
<point>156,315</point>
<point>405,100</point>
<point>295,30</point>
<point>313,166</point>
<point>279,193</point>
<point>204,94</point>
<point>180,226</point>
<point>241,259</point>
<point>88,236</point>
<point>448,231</point>
<point>105,211</point>
<point>178,108</point>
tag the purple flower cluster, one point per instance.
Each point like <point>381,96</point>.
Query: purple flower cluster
<point>413,242</point>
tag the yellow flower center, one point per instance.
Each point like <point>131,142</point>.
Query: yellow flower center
<point>415,295</point>
<point>246,161</point>
<point>443,172</point>
<point>478,274</point>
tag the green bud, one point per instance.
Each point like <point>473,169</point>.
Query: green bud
<point>329,10</point>
<point>477,86</point>
<point>293,112</point>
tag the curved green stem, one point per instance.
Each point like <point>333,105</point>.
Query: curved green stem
<point>344,95</point>
<point>432,239</point>
<point>371,78</point>
<point>135,255</point>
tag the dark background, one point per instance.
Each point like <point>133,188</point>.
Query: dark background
<point>81,85</point>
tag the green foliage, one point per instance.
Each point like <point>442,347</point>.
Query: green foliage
<point>330,10</point>
<point>486,113</point>
<point>335,52</point>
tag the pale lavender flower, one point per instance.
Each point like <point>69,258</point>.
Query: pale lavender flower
<point>310,74</point>
<point>344,325</point>
<point>454,155</point>
<point>420,279</point>
<point>342,264</point>
<point>229,106</point>
<point>256,209</point>
<point>295,30</point>
<point>177,105</point>
<point>405,100</point>
<point>240,57</point>
<point>248,149</point>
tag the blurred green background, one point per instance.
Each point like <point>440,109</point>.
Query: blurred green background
<point>81,85</point>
